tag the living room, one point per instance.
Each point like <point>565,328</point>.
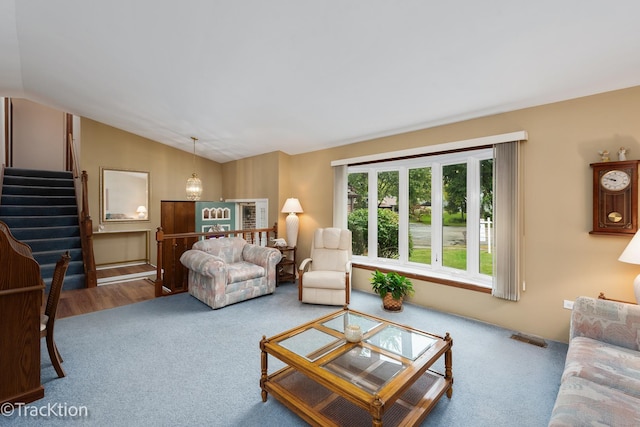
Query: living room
<point>561,260</point>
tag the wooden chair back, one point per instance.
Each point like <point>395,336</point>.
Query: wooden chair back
<point>55,289</point>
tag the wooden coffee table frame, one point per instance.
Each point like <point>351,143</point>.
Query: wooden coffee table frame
<point>336,387</point>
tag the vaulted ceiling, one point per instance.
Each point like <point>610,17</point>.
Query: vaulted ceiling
<point>252,76</point>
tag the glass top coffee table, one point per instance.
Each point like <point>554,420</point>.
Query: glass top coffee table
<point>385,378</point>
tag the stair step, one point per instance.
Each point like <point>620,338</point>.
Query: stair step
<point>51,257</point>
<point>71,282</point>
<point>75,267</point>
<point>38,190</point>
<point>38,210</point>
<point>29,181</point>
<point>62,243</point>
<point>37,173</point>
<point>36,200</point>
<point>30,233</point>
<point>39,221</point>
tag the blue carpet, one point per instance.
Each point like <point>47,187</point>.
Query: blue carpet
<point>175,362</point>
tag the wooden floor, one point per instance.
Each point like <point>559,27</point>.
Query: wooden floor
<point>115,294</point>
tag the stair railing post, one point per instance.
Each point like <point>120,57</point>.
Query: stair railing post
<point>158,282</point>
<point>86,234</point>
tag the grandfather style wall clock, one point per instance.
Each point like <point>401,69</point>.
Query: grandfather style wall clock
<point>615,197</point>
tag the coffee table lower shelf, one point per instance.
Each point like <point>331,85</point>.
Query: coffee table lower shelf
<point>319,406</point>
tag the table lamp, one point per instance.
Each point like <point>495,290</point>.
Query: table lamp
<point>142,212</point>
<point>292,206</point>
<point>631,254</point>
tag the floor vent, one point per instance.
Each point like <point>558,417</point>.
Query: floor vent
<point>529,339</point>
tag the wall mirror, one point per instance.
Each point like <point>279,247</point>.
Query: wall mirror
<point>125,195</point>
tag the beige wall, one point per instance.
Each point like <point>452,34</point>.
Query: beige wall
<point>562,260</point>
<point>41,146</point>
<point>253,178</point>
<point>169,168</point>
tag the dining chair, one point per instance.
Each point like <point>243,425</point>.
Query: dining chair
<point>47,321</point>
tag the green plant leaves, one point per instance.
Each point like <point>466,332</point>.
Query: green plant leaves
<point>393,283</point>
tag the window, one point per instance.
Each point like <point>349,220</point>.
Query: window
<point>426,214</point>
<point>454,208</point>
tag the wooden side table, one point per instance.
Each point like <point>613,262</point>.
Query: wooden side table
<point>286,268</point>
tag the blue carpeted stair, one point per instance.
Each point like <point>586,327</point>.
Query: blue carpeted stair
<point>40,209</point>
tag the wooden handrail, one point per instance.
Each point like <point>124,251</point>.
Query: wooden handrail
<point>86,224</point>
<point>259,236</point>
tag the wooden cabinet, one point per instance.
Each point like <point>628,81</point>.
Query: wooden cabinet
<point>21,290</point>
<point>286,268</point>
<point>176,217</point>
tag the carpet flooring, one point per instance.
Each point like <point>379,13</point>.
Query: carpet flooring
<point>173,361</point>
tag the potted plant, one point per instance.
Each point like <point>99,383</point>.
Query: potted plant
<point>392,288</point>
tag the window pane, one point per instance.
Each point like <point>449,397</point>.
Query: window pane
<point>358,221</point>
<point>388,220</point>
<point>454,216</point>
<point>420,215</point>
<point>486,217</point>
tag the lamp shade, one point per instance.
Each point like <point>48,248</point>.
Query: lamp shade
<point>194,187</point>
<point>142,212</point>
<point>631,253</point>
<point>292,205</point>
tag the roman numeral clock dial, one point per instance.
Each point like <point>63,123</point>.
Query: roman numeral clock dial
<point>615,197</point>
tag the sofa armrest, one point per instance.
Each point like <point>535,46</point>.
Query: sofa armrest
<point>261,255</point>
<point>202,262</point>
<point>304,263</point>
<point>612,322</point>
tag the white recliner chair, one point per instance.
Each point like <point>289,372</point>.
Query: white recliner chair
<point>324,276</point>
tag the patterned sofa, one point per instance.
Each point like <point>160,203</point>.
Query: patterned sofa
<point>601,380</point>
<point>228,270</point>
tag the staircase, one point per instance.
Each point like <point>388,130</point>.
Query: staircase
<point>40,209</point>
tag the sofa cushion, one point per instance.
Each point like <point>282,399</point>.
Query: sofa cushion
<point>227,248</point>
<point>242,271</point>
<point>609,321</point>
<point>605,364</point>
<point>332,238</point>
<point>327,259</point>
<point>324,279</point>
<point>581,402</point>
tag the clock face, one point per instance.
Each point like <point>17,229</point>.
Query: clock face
<point>615,180</point>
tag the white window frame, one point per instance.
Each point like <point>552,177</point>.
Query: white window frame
<point>508,257</point>
<point>436,162</point>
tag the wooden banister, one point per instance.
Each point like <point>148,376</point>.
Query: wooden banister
<point>86,224</point>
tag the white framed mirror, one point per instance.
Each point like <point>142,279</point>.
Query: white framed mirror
<point>125,195</point>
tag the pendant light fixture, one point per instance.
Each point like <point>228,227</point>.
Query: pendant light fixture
<point>194,185</point>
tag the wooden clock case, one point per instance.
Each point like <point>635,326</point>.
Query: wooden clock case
<point>615,212</point>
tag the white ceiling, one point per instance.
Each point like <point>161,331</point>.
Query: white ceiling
<point>252,76</point>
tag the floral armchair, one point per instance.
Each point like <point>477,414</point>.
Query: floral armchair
<point>228,270</point>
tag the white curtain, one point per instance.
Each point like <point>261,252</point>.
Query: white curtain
<point>340,197</point>
<point>508,222</point>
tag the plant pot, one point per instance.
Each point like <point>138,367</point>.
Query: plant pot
<point>389,303</point>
